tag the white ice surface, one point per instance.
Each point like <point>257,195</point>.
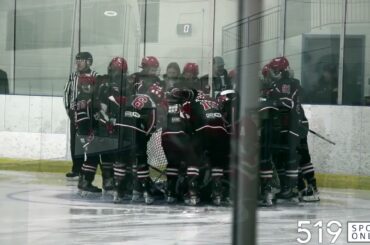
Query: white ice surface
<point>45,209</point>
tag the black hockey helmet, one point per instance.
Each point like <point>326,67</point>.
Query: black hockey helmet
<point>84,56</point>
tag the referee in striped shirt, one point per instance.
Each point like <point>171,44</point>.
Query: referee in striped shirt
<point>83,61</point>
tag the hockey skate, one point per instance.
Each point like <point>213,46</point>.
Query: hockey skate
<point>216,191</point>
<point>119,191</point>
<point>142,191</point>
<point>226,198</point>
<point>86,189</point>
<point>108,187</point>
<point>192,197</point>
<point>289,194</point>
<point>171,199</point>
<point>171,190</point>
<point>72,176</point>
<point>137,196</point>
<point>137,190</point>
<point>289,191</point>
<point>267,197</point>
<point>148,193</point>
<point>148,198</point>
<point>118,197</point>
<point>226,194</point>
<point>310,194</point>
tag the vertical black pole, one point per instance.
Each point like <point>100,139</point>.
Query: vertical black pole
<point>145,16</point>
<point>246,145</point>
<point>79,27</point>
<point>14,43</point>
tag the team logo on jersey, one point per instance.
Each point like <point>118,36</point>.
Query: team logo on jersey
<point>173,109</point>
<point>139,102</point>
<point>285,88</point>
<point>213,115</point>
<point>175,119</point>
<point>132,114</point>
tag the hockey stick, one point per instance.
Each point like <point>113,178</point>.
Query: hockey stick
<point>157,178</point>
<point>321,137</point>
<point>158,171</point>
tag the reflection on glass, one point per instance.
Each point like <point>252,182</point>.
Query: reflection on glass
<point>163,99</point>
<point>42,44</point>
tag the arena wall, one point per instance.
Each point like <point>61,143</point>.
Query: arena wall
<point>36,127</point>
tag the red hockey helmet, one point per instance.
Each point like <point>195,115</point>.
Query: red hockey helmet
<point>149,61</point>
<point>86,79</point>
<point>279,64</point>
<point>118,63</point>
<point>191,68</point>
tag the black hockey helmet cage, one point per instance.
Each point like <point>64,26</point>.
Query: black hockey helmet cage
<point>84,56</point>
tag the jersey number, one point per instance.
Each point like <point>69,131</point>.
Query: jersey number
<point>139,102</point>
<point>207,105</point>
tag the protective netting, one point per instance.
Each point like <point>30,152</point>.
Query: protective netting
<point>156,157</point>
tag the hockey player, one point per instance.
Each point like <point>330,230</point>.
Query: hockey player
<point>110,84</point>
<point>209,135</point>
<point>134,118</point>
<point>147,80</point>
<point>228,101</point>
<point>83,60</point>
<point>268,114</point>
<point>189,78</point>
<point>176,132</point>
<point>176,143</point>
<point>220,78</point>
<point>147,76</point>
<point>284,94</point>
<point>307,187</point>
<point>85,128</point>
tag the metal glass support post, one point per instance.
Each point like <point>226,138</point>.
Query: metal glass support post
<point>245,145</point>
<point>282,27</point>
<point>341,52</point>
<point>211,41</point>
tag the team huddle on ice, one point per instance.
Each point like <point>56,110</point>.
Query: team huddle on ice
<point>114,116</point>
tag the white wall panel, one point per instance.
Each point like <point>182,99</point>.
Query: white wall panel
<point>347,127</point>
<point>24,145</point>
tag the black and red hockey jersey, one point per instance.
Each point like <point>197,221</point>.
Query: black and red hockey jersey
<point>285,95</point>
<point>142,82</point>
<point>176,121</point>
<point>284,92</point>
<point>203,112</point>
<point>135,112</point>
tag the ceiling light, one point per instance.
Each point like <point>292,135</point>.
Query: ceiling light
<point>110,13</point>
